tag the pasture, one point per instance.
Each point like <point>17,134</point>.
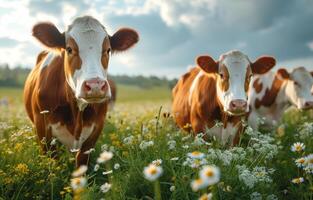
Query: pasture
<point>139,131</point>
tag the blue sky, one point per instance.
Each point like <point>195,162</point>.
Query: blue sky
<point>172,32</point>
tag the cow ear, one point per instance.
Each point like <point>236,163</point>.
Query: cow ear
<point>207,64</point>
<point>283,73</point>
<point>49,35</point>
<point>123,39</point>
<point>263,64</point>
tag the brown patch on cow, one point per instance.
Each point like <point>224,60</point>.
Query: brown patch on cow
<point>257,85</point>
<point>106,47</point>
<point>270,95</point>
<point>113,90</point>
<point>223,78</point>
<point>72,60</point>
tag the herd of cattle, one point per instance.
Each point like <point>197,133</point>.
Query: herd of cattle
<point>67,93</point>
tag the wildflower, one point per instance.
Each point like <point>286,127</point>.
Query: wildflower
<point>105,187</point>
<point>175,158</point>
<point>53,142</point>
<point>96,168</point>
<point>196,155</point>
<point>271,197</point>
<point>107,172</point>
<point>297,147</point>
<point>198,184</point>
<point>185,146</point>
<point>89,151</point>
<point>105,156</point>
<point>104,147</point>
<point>255,196</point>
<point>300,162</point>
<point>171,144</point>
<point>116,166</point>
<point>186,138</point>
<point>210,174</point>
<point>157,162</point>
<point>308,164</point>
<point>152,172</point>
<point>297,180</point>
<point>145,144</point>
<point>128,140</point>
<point>78,183</point>
<point>172,188</point>
<point>80,171</point>
<point>206,196</point>
<point>22,168</point>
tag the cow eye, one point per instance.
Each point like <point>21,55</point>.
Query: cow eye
<point>297,84</point>
<point>69,50</point>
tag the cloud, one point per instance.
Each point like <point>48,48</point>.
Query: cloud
<point>7,42</point>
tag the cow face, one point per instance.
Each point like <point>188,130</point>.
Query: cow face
<point>87,48</point>
<point>233,72</point>
<point>299,87</point>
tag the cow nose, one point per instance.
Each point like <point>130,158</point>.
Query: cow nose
<point>308,104</point>
<point>95,86</point>
<point>238,105</point>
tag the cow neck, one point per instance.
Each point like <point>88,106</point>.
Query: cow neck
<point>271,94</point>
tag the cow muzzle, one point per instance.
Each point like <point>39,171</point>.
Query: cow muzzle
<point>95,90</point>
<point>237,107</point>
<point>307,105</point>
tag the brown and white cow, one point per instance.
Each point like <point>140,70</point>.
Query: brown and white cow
<point>217,91</point>
<point>113,94</point>
<point>70,82</point>
<point>272,93</point>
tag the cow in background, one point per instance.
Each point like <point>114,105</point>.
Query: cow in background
<point>272,93</point>
<point>217,91</point>
<point>66,94</point>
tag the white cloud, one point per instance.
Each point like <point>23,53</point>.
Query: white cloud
<point>310,45</point>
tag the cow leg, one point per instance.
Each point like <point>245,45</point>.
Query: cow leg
<point>198,126</point>
<point>44,134</point>
<point>81,157</point>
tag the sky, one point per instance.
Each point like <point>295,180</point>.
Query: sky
<point>172,32</point>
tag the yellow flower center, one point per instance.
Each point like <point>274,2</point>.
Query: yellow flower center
<point>298,148</point>
<point>195,153</point>
<point>301,160</point>
<point>209,173</point>
<point>198,181</point>
<point>153,171</point>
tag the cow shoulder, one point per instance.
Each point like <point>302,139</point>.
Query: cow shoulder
<point>51,85</point>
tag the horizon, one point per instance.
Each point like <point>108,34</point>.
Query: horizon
<point>172,33</point>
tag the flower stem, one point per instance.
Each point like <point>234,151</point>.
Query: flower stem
<point>157,190</point>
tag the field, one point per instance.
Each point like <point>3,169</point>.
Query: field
<point>139,131</point>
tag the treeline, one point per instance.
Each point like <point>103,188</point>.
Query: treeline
<point>15,77</point>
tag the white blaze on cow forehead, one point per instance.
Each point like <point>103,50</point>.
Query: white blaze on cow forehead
<point>89,34</point>
<point>237,65</point>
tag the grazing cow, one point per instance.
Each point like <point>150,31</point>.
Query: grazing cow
<point>217,91</point>
<point>271,93</point>
<point>66,94</point>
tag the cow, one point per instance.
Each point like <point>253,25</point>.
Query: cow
<point>272,93</point>
<point>66,94</point>
<point>216,91</point>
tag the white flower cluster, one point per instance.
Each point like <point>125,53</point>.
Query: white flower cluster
<point>306,130</point>
<point>171,144</point>
<point>235,154</point>
<point>128,140</point>
<point>251,178</point>
<point>145,144</point>
<point>195,159</point>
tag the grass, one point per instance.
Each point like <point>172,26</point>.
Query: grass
<point>261,167</point>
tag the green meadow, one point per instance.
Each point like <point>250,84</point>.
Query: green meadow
<point>139,131</point>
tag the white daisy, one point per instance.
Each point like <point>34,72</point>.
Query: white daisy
<point>297,180</point>
<point>105,187</point>
<point>105,156</point>
<point>297,147</point>
<point>300,162</point>
<point>172,188</point>
<point>152,172</point>
<point>206,196</point>
<point>198,184</point>
<point>196,155</point>
<point>78,183</point>
<point>80,171</point>
<point>210,174</point>
<point>116,166</point>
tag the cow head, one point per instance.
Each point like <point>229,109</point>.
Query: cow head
<point>299,87</point>
<point>233,71</point>
<point>87,48</point>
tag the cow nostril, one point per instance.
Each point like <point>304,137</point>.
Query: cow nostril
<point>104,86</point>
<point>87,87</point>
